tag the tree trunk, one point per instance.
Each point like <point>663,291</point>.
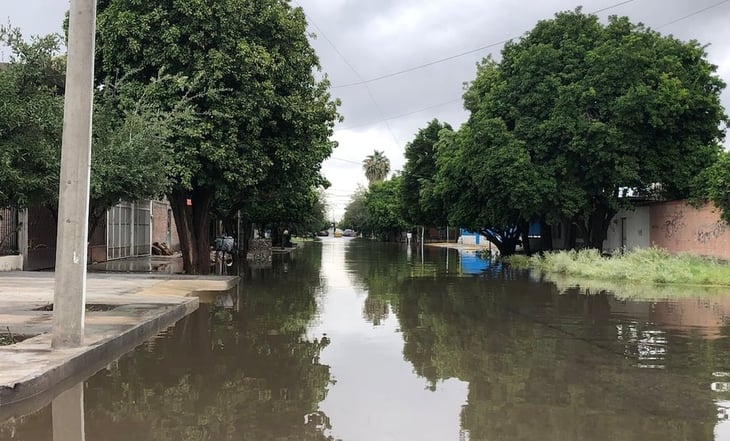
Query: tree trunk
<point>572,232</point>
<point>276,236</point>
<point>246,233</point>
<point>598,224</point>
<point>192,226</point>
<point>505,240</point>
<point>546,234</point>
<point>525,233</point>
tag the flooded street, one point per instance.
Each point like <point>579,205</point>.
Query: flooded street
<point>356,340</point>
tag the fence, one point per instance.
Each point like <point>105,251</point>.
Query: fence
<point>8,231</point>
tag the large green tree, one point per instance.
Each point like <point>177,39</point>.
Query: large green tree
<point>384,210</point>
<point>260,109</point>
<point>592,109</point>
<point>418,177</point>
<point>486,178</point>
<point>130,137</point>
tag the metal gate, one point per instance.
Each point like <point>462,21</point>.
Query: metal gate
<point>129,230</point>
<point>8,231</point>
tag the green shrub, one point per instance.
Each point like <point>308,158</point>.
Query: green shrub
<point>650,265</point>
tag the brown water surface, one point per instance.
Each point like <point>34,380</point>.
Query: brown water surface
<point>350,340</point>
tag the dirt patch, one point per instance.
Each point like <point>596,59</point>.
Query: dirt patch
<point>91,307</point>
<point>7,338</point>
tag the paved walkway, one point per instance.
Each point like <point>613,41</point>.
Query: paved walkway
<point>123,311</point>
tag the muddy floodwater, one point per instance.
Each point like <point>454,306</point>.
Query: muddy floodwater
<point>348,339</point>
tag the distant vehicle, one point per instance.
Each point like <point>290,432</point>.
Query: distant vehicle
<point>338,233</point>
<point>348,233</point>
<point>323,233</point>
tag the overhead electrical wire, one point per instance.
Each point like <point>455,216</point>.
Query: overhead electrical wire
<point>402,115</point>
<point>693,14</point>
<point>352,68</point>
<point>452,57</point>
<point>345,160</point>
<point>684,17</point>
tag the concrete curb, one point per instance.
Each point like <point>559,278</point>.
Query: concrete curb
<point>32,374</point>
<point>88,360</point>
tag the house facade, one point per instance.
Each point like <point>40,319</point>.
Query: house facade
<point>127,230</point>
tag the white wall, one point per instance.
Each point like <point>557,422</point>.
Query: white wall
<point>11,263</point>
<point>636,226</point>
<point>471,239</point>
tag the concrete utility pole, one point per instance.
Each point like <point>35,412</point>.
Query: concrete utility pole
<point>73,199</point>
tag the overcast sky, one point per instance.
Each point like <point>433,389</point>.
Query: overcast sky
<point>359,41</point>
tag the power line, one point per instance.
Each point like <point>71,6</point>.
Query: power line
<point>345,160</point>
<point>693,14</point>
<point>403,114</point>
<point>452,57</point>
<point>352,68</point>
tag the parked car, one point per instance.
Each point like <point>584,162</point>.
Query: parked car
<point>323,233</point>
<point>348,233</point>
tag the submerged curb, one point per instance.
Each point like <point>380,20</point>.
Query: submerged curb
<point>31,373</point>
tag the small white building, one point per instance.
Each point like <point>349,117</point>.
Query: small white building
<point>628,229</point>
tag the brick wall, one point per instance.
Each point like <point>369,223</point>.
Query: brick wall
<point>679,227</point>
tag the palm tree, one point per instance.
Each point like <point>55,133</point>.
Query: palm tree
<point>376,167</point>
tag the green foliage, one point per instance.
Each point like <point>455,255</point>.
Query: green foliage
<point>130,148</point>
<point>585,109</point>
<point>384,209</point>
<point>300,210</point>
<point>376,167</point>
<point>486,177</point>
<point>356,213</point>
<point>250,68</point>
<point>31,119</point>
<point>651,265</point>
<point>419,207</point>
<point>377,210</point>
<point>713,184</point>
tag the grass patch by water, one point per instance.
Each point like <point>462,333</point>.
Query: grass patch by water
<point>646,266</point>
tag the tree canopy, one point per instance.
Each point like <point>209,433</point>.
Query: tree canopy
<point>418,177</point>
<point>575,111</point>
<point>130,136</point>
<point>356,213</point>
<point>376,167</point>
<point>261,114</point>
<point>713,184</point>
<point>384,209</point>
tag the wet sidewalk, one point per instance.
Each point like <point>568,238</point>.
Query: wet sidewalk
<point>123,311</point>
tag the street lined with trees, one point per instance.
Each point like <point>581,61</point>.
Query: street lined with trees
<point>219,108</point>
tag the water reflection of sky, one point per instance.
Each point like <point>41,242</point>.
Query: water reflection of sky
<point>376,395</point>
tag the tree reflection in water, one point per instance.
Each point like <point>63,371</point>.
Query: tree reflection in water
<point>218,374</point>
<point>545,365</point>
<point>540,363</point>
